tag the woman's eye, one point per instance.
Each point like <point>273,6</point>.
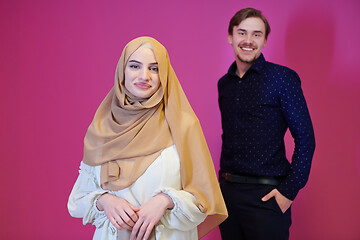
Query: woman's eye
<point>154,69</point>
<point>133,66</point>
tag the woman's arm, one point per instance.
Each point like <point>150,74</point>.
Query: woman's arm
<point>185,215</point>
<point>95,205</point>
<point>149,215</point>
<point>175,209</point>
<point>83,197</point>
<point>119,211</point>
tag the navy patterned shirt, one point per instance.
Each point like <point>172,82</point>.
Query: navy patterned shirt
<point>256,111</point>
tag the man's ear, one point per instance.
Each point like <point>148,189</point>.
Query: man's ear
<point>229,38</point>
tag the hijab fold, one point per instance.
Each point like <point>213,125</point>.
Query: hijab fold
<point>128,133</point>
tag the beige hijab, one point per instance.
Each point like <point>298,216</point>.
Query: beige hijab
<point>127,134</point>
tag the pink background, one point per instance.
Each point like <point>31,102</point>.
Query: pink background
<point>57,61</point>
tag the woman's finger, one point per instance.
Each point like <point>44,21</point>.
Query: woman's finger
<point>148,231</point>
<point>135,229</point>
<point>126,220</point>
<point>115,223</point>
<point>131,213</point>
<point>142,230</point>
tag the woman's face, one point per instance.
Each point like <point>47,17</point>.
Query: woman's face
<point>142,73</point>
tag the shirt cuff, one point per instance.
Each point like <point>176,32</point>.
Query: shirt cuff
<point>170,192</point>
<point>95,202</point>
<point>290,191</point>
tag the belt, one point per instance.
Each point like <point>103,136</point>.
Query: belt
<point>249,179</point>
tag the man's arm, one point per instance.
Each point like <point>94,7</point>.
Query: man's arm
<point>297,116</point>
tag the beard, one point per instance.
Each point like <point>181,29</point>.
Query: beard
<point>247,61</point>
<point>247,46</point>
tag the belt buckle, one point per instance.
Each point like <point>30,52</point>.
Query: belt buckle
<point>228,177</point>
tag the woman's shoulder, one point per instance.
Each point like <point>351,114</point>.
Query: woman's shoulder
<point>89,169</point>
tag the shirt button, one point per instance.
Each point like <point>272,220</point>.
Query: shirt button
<point>240,81</point>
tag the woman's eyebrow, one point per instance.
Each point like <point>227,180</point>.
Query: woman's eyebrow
<point>135,61</point>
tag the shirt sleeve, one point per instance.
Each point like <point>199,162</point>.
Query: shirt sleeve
<point>297,116</point>
<point>83,197</point>
<point>185,214</point>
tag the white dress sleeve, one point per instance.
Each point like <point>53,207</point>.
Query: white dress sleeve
<point>83,197</point>
<point>163,175</point>
<point>185,215</point>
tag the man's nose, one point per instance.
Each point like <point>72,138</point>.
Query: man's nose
<point>248,38</point>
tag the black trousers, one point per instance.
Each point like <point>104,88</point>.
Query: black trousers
<point>249,217</point>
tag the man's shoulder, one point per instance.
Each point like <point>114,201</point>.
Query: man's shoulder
<point>278,68</point>
<point>281,73</point>
<point>224,79</point>
<point>229,74</point>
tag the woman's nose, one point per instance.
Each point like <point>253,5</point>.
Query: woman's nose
<point>145,74</point>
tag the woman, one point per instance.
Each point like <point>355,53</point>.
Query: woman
<point>147,172</point>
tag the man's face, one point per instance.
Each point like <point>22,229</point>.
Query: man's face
<point>248,39</point>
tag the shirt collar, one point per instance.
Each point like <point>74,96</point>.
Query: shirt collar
<point>257,66</point>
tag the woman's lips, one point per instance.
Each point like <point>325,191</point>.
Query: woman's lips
<point>142,85</point>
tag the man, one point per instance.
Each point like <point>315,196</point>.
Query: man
<point>258,102</point>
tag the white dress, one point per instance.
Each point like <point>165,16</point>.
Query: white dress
<point>163,175</point>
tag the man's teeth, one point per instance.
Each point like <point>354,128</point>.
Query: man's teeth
<point>247,49</point>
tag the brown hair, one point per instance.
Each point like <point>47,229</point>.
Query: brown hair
<point>247,13</point>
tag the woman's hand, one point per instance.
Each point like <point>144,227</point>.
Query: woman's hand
<point>120,213</point>
<point>149,215</point>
